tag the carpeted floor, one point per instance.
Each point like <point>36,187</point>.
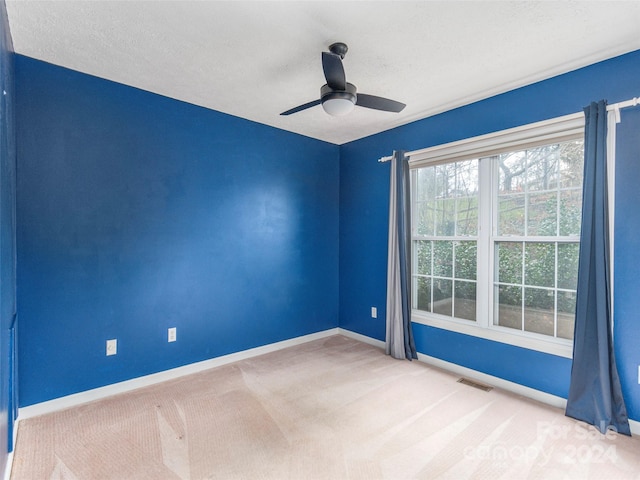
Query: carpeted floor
<point>329,409</point>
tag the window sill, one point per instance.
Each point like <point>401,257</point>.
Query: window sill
<point>558,347</point>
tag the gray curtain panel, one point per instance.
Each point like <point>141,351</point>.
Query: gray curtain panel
<point>399,338</point>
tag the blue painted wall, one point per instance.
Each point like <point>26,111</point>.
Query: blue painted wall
<point>7,234</point>
<point>137,213</point>
<point>364,190</point>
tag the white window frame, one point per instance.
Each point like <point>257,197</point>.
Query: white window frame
<point>557,130</point>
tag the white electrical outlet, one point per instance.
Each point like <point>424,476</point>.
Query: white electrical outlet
<point>171,334</point>
<point>112,347</point>
<point>374,312</point>
<point>638,374</point>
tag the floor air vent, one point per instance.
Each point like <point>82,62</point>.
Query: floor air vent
<point>471,383</point>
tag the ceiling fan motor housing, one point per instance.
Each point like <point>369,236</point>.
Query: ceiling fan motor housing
<point>339,48</point>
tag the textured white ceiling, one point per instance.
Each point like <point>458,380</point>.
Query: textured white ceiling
<point>257,59</point>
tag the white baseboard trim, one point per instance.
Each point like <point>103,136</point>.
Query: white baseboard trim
<point>135,383</point>
<point>361,338</point>
<point>512,387</point>
<point>9,465</point>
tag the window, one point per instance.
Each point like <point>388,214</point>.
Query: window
<point>445,239</point>
<point>496,225</point>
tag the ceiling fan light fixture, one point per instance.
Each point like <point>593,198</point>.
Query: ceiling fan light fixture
<point>338,106</point>
<point>338,102</point>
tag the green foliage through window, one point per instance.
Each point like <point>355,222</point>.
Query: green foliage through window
<point>535,208</point>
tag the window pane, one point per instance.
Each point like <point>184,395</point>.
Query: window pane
<point>568,265</point>
<point>446,205</point>
<point>425,217</point>
<point>467,178</point>
<point>511,214</point>
<point>443,259</point>
<point>445,180</point>
<point>508,309</point>
<point>425,184</point>
<point>542,214</point>
<point>512,169</point>
<point>539,307</point>
<point>465,300</point>
<point>467,201</point>
<point>571,159</point>
<point>442,293</point>
<point>466,259</point>
<point>542,168</point>
<point>509,261</point>
<point>445,217</point>
<point>467,216</point>
<point>566,314</point>
<point>423,297</point>
<point>539,264</point>
<point>570,212</point>
<point>423,252</point>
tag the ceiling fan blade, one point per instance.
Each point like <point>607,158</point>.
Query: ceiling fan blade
<point>379,103</point>
<point>334,71</point>
<point>302,107</point>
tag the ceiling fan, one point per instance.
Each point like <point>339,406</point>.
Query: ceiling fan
<point>337,96</point>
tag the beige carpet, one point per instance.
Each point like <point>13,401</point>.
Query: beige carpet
<point>329,409</point>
